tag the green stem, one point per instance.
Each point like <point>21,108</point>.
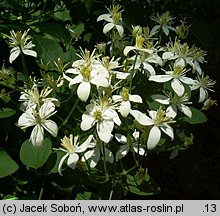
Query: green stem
<point>132,72</point>
<point>42,188</point>
<point>70,113</point>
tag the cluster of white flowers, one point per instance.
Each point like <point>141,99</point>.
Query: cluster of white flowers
<point>38,108</point>
<point>106,88</point>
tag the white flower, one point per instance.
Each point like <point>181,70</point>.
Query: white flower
<point>124,149</point>
<point>124,99</point>
<point>138,46</point>
<point>72,148</point>
<point>40,122</point>
<point>95,151</point>
<point>175,102</point>
<point>32,97</point>
<point>177,77</point>
<point>88,71</point>
<point>164,22</point>
<point>103,116</point>
<point>159,122</point>
<point>20,43</point>
<point>203,84</point>
<point>114,19</point>
<point>144,61</point>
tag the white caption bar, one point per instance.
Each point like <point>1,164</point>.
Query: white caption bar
<point>114,207</point>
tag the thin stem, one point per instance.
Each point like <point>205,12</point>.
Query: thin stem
<point>132,72</point>
<point>42,188</point>
<point>70,113</point>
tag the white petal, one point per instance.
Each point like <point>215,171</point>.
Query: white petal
<point>128,49</point>
<point>171,111</point>
<point>100,80</point>
<point>203,94</point>
<point>106,17</point>
<point>108,27</point>
<point>77,79</point>
<point>120,30</point>
<point>141,118</point>
<point>75,71</point>
<point>72,160</point>
<point>185,109</point>
<point>87,155</point>
<point>87,122</point>
<point>14,54</point>
<point>139,150</point>
<point>167,130</point>
<point>149,68</point>
<point>187,80</point>
<point>84,145</point>
<point>37,135</point>
<point>121,138</point>
<point>160,78</point>
<point>125,108</point>
<point>47,110</point>
<point>178,87</point>
<point>61,163</point>
<point>123,150</point>
<point>104,130</point>
<point>154,137</point>
<point>109,156</point>
<point>165,30</point>
<point>180,63</point>
<point>51,127</point>
<point>155,28</point>
<point>162,99</point>
<point>26,120</point>
<point>83,91</point>
<point>167,55</point>
<point>29,52</point>
<point>135,98</point>
<point>117,98</point>
<point>95,159</point>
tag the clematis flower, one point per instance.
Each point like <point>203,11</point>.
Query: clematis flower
<point>87,71</point>
<point>20,43</point>
<point>114,19</point>
<point>103,115</point>
<point>159,122</point>
<point>124,149</point>
<point>204,84</point>
<point>164,23</point>
<point>40,122</point>
<point>125,99</point>
<point>139,46</point>
<point>177,77</point>
<point>175,102</point>
<point>72,148</point>
<point>32,98</point>
<point>93,155</point>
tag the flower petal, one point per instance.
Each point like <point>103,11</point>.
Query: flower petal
<point>141,118</point>
<point>84,145</point>
<point>128,49</point>
<point>37,135</point>
<point>108,27</point>
<point>125,108</point>
<point>83,91</point>
<point>154,137</point>
<point>120,30</point>
<point>109,156</point>
<point>87,122</point>
<point>149,68</point>
<point>14,53</point>
<point>139,150</point>
<point>95,159</point>
<point>178,87</point>
<point>135,98</point>
<point>162,99</point>
<point>61,163</point>
<point>72,160</point>
<point>123,150</point>
<point>29,52</point>
<point>100,80</point>
<point>185,109</point>
<point>171,111</point>
<point>51,127</point>
<point>121,138</point>
<point>160,78</point>
<point>203,94</point>
<point>167,130</point>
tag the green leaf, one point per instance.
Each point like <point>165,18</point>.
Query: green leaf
<point>61,12</point>
<point>87,196</point>
<point>48,51</point>
<point>8,166</point>
<point>198,117</point>
<point>6,112</point>
<point>33,156</point>
<point>59,155</point>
